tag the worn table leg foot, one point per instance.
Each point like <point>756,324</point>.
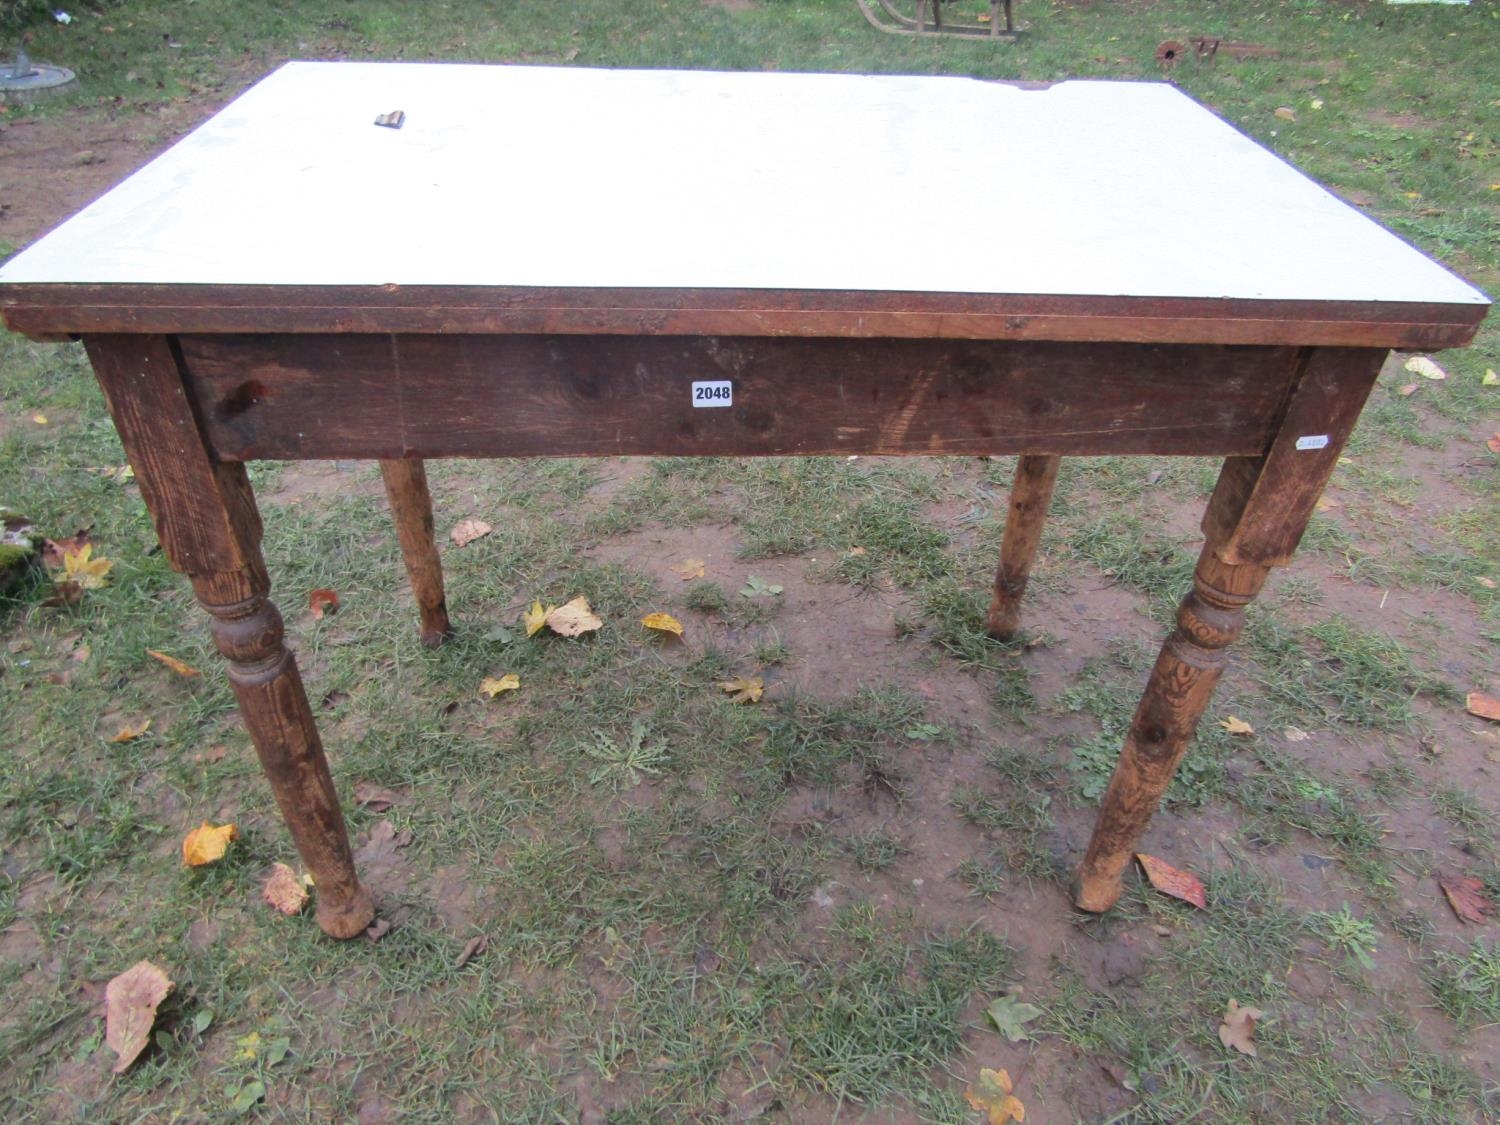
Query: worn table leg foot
<point>1176,696</point>
<point>411,506</point>
<point>248,630</point>
<point>1029,497</point>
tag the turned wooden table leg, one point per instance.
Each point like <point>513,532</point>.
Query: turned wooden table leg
<point>206,519</point>
<point>1176,696</point>
<point>1029,496</point>
<point>273,704</point>
<point>1254,521</point>
<point>411,505</point>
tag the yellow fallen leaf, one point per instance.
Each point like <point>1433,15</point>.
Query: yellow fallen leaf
<point>535,617</point>
<point>1316,103</point>
<point>284,890</point>
<point>130,1003</point>
<point>662,623</point>
<point>744,689</point>
<point>689,569</point>
<point>1490,378</point>
<point>128,733</point>
<point>39,418</point>
<point>173,663</point>
<point>1237,726</point>
<point>466,531</point>
<point>81,567</point>
<point>992,1096</point>
<point>573,618</point>
<point>493,686</point>
<point>207,843</point>
<point>1421,365</point>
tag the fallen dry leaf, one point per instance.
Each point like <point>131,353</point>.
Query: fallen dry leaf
<point>744,689</point>
<point>1328,504</point>
<point>535,617</point>
<point>1296,734</point>
<point>381,845</point>
<point>1493,445</point>
<point>1286,113</point>
<point>1421,365</point>
<point>1483,706</point>
<point>1236,725</point>
<point>1490,378</point>
<point>1010,1016</point>
<point>1406,390</point>
<point>378,929</point>
<point>128,733</point>
<point>474,947</point>
<point>207,843</point>
<point>53,550</point>
<point>130,1003</point>
<point>39,418</point>
<point>1466,896</point>
<point>284,890</point>
<point>212,754</point>
<point>493,686</point>
<point>1170,881</point>
<point>173,663</point>
<point>376,798</point>
<point>992,1096</point>
<point>1237,1031</point>
<point>120,474</point>
<point>65,594</point>
<point>88,572</point>
<point>322,602</point>
<point>688,569</point>
<point>662,623</point>
<point>573,618</point>
<point>466,531</point>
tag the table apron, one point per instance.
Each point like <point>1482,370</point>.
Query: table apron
<point>387,396</point>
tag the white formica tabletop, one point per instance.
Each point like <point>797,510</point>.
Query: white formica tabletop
<point>520,176</point>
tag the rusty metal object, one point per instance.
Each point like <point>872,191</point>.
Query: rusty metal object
<point>921,24</point>
<point>1169,52</point>
<point>1207,48</point>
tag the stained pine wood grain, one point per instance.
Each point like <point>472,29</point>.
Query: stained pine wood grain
<point>207,522</point>
<point>518,396</point>
<point>411,508</point>
<point>50,311</point>
<point>1030,494</point>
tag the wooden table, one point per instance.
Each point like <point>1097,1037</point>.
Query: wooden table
<point>567,262</point>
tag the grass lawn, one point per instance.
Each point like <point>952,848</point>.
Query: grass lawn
<point>618,895</point>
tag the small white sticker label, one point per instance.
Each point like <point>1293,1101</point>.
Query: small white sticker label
<point>1313,441</point>
<point>720,392</point>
